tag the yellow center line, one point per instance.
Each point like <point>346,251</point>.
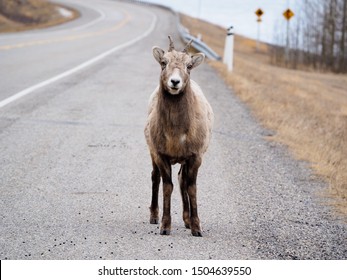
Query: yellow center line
<point>125,20</point>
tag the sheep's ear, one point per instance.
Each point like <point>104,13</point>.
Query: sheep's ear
<point>197,59</point>
<point>158,53</point>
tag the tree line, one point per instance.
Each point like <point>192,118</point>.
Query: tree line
<point>318,37</point>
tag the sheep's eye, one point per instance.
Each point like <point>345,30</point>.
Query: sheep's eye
<point>189,66</point>
<point>163,64</point>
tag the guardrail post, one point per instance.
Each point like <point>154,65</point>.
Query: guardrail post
<point>229,49</point>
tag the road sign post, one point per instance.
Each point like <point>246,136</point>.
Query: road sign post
<point>259,13</point>
<point>228,57</point>
<point>288,14</point>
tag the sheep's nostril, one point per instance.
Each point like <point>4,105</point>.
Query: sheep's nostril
<point>175,82</point>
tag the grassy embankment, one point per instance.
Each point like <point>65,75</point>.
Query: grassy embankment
<point>19,15</point>
<point>306,110</point>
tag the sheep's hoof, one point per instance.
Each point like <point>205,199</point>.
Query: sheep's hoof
<point>187,225</point>
<point>165,232</point>
<point>153,220</point>
<point>197,233</point>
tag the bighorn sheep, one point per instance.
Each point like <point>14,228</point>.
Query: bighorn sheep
<point>178,130</point>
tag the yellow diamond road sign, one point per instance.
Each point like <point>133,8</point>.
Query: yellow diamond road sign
<point>259,12</point>
<point>288,14</point>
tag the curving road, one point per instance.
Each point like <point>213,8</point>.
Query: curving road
<point>75,171</point>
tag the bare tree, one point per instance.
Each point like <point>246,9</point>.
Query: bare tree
<point>342,54</point>
<point>318,38</point>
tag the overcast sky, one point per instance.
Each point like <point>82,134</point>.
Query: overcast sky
<point>239,13</point>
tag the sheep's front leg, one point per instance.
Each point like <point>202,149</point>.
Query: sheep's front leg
<point>182,179</point>
<point>193,167</point>
<point>165,172</point>
<point>154,218</point>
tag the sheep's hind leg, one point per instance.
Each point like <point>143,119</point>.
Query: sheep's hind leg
<point>182,179</point>
<point>154,208</point>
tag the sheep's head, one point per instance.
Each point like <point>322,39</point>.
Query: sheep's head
<point>176,67</point>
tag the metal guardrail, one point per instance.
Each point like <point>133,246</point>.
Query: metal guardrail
<point>197,43</point>
<point>183,32</point>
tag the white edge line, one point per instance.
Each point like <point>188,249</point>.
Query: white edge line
<point>29,90</point>
<point>101,17</point>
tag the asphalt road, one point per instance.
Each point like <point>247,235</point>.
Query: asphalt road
<point>75,170</point>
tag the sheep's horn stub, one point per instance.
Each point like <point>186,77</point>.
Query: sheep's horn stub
<point>186,48</point>
<point>171,46</point>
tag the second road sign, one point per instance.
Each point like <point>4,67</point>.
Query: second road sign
<point>288,14</point>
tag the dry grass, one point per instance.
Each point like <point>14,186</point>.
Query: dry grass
<point>306,110</point>
<point>19,15</point>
